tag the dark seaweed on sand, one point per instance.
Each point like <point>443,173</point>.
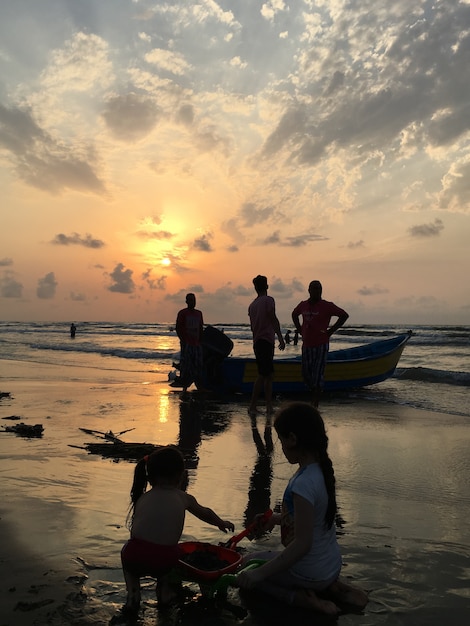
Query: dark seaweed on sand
<point>25,430</point>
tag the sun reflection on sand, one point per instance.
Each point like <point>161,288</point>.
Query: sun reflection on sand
<point>164,405</point>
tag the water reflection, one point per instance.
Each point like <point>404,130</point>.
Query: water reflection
<point>198,418</point>
<point>259,493</point>
<point>189,437</point>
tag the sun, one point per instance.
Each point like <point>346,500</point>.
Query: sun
<point>166,261</point>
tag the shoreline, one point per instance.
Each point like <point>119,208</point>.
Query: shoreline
<point>63,515</point>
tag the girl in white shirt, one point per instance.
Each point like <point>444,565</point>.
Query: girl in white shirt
<point>306,572</point>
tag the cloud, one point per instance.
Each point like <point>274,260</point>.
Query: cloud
<point>422,302</point>
<point>180,295</point>
<point>372,291</point>
<point>9,286</point>
<point>158,234</point>
<point>427,230</point>
<point>203,243</point>
<point>241,290</point>
<point>185,114</point>
<point>455,194</point>
<point>77,240</point>
<point>209,139</point>
<point>47,286</point>
<point>353,245</point>
<point>80,64</point>
<point>131,117</point>
<point>5,262</point>
<point>231,228</point>
<point>122,280</point>
<point>392,72</point>
<point>295,241</point>
<point>285,290</point>
<point>251,214</point>
<point>302,240</point>
<point>154,283</point>
<point>168,61</point>
<point>271,8</point>
<point>77,297</point>
<point>43,162</point>
<point>274,238</point>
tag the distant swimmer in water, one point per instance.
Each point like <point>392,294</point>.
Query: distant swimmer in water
<point>73,330</point>
<point>287,337</point>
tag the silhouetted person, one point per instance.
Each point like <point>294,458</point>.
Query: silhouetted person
<point>315,330</point>
<point>264,326</point>
<point>189,327</point>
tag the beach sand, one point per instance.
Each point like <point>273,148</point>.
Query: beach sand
<point>402,482</point>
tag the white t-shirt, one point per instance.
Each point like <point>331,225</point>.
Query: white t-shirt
<point>323,562</point>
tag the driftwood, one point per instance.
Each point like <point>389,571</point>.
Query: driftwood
<point>121,450</point>
<point>114,448</point>
<point>108,436</point>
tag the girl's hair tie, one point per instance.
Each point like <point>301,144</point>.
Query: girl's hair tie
<point>146,458</point>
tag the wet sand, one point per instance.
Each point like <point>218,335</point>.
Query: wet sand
<point>402,477</point>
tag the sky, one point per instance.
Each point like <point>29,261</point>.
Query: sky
<point>149,149</point>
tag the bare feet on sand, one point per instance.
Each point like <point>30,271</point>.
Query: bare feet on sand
<point>338,593</point>
<point>344,593</point>
<point>308,599</point>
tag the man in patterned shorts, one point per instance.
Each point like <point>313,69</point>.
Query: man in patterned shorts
<point>316,332</point>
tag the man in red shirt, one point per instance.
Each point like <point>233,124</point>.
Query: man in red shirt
<point>189,327</point>
<point>316,332</point>
<point>264,326</point>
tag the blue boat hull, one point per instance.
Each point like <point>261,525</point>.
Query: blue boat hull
<point>346,369</point>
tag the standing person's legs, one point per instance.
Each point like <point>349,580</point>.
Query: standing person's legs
<point>197,367</point>
<point>184,368</point>
<point>313,368</point>
<point>257,387</point>
<point>264,354</point>
<point>268,393</point>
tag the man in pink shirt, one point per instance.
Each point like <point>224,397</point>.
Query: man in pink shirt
<point>316,332</point>
<point>265,326</point>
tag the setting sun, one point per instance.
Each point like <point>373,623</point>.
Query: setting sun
<point>166,261</point>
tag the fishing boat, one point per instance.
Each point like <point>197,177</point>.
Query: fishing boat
<point>346,369</point>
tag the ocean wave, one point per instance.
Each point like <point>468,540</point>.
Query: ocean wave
<point>426,374</point>
<point>123,353</point>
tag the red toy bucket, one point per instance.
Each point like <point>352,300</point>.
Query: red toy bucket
<point>207,562</point>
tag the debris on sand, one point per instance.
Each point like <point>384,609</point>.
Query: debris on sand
<point>25,430</point>
<point>113,447</point>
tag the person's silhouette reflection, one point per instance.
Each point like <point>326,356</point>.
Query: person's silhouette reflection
<point>259,494</point>
<point>189,436</point>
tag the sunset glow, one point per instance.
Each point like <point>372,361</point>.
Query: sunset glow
<point>149,149</point>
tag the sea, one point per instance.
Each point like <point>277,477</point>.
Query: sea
<point>433,372</point>
<point>402,474</point>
